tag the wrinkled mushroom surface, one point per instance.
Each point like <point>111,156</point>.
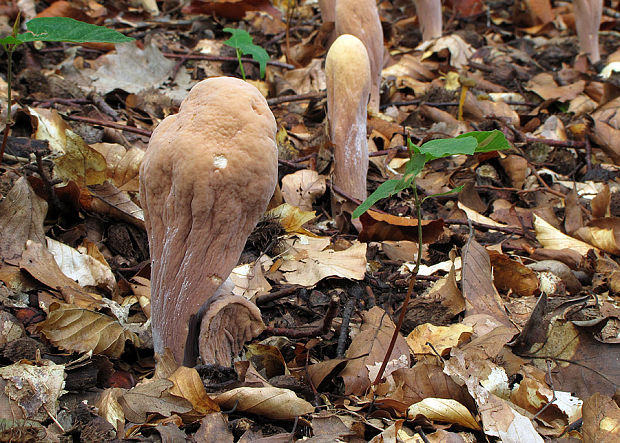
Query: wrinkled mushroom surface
<point>361,19</point>
<point>429,17</point>
<point>207,176</point>
<point>588,15</point>
<point>347,71</point>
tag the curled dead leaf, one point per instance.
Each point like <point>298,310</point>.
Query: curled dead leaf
<point>270,402</point>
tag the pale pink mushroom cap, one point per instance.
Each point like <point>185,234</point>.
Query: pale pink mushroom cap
<point>207,176</point>
<point>361,19</point>
<point>347,71</point>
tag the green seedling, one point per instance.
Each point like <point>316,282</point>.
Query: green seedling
<point>241,40</point>
<point>51,29</point>
<point>467,144</point>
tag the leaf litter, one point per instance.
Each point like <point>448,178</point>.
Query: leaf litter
<point>512,333</point>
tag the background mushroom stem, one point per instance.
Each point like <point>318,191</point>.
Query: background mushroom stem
<point>361,19</point>
<point>588,15</point>
<point>206,178</point>
<point>429,17</point>
<point>347,70</point>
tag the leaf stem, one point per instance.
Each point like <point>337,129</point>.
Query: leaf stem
<point>240,63</point>
<point>9,78</point>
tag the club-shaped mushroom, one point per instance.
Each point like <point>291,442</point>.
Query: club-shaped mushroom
<point>429,17</point>
<point>361,19</point>
<point>207,176</point>
<point>588,15</point>
<point>347,71</point>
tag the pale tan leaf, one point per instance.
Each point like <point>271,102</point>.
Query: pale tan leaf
<point>22,214</point>
<point>41,265</point>
<point>152,398</point>
<point>460,51</point>
<point>108,200</point>
<point>188,385</point>
<point>81,330</point>
<point>80,163</point>
<point>444,410</point>
<point>291,218</point>
<point>369,347</point>
<point>270,402</point>
<point>551,238</point>
<point>604,233</point>
<point>442,338</point>
<point>314,265</point>
<point>51,127</point>
<point>83,268</point>
<point>302,188</point>
<point>123,165</point>
<point>109,408</point>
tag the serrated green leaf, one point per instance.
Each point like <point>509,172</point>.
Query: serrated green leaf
<point>64,29</point>
<point>450,146</point>
<point>488,140</point>
<point>386,189</point>
<point>242,40</point>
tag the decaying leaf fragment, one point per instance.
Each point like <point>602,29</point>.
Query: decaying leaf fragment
<point>81,330</point>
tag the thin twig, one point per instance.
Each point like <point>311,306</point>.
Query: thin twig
<point>266,298</point>
<point>94,121</point>
<point>218,58</point>
<point>317,331</point>
<point>355,294</point>
<point>295,98</point>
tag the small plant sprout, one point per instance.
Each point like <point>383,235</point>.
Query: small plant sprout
<point>467,144</point>
<point>241,40</point>
<point>51,29</point>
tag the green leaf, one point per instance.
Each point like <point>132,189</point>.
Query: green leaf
<point>385,190</point>
<point>415,165</point>
<point>242,40</point>
<point>450,146</point>
<point>441,194</point>
<point>64,29</point>
<point>488,140</point>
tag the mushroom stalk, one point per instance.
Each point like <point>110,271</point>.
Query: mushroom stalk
<point>588,15</point>
<point>429,17</point>
<point>347,71</point>
<point>361,19</point>
<point>207,176</point>
<point>328,10</point>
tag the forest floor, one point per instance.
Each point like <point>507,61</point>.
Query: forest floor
<point>512,330</point>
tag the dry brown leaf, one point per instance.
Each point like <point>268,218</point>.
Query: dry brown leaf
<point>511,275</point>
<point>442,338</point>
<point>516,168</point>
<point>152,397</point>
<point>302,188</point>
<point>123,165</point>
<point>107,199</point>
<point>478,218</point>
<point>232,9</point>
<point>477,284</point>
<point>189,385</point>
<point>109,408</point>
<point>573,218</point>
<point>214,427</point>
<point>81,330</point>
<point>31,390</point>
<point>601,419</point>
<point>319,371</point>
<point>460,51</point>
<point>606,137</point>
<point>603,233</point>
<point>380,227</point>
<point>310,265</point>
<point>551,238</point>
<point>270,402</point>
<point>83,268</point>
<point>373,339</point>
<point>41,265</point>
<point>80,163</point>
<point>601,203</point>
<point>444,410</point>
<point>291,218</point>
<point>22,214</point>
<point>545,86</point>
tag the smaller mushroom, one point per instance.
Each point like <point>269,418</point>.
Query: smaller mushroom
<point>429,17</point>
<point>347,71</point>
<point>361,19</point>
<point>328,10</point>
<point>588,15</point>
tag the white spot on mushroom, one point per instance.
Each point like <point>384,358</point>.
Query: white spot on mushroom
<point>220,161</point>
